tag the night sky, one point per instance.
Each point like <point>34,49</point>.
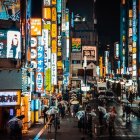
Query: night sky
<point>108,17</point>
<point>107,13</point>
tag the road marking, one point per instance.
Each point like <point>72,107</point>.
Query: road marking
<point>42,130</point>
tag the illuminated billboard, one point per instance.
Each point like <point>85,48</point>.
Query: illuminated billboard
<point>47,13</point>
<point>54,15</point>
<point>54,46</point>
<point>33,42</point>
<point>76,44</point>
<point>90,52</point>
<point>116,49</point>
<point>40,66</point>
<point>9,98</point>
<point>34,52</point>
<point>54,69</point>
<point>36,26</point>
<point>46,3</point>
<point>13,44</point>
<point>59,6</point>
<point>54,30</point>
<point>10,44</point>
<point>53,2</point>
<point>3,44</point>
<point>10,10</point>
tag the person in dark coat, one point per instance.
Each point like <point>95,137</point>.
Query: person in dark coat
<point>101,115</point>
<point>45,115</point>
<point>63,111</point>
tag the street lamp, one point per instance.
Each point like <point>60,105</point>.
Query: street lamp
<point>85,66</point>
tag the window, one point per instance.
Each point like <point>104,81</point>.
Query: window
<point>75,61</point>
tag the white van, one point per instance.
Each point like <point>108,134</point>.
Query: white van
<point>101,87</point>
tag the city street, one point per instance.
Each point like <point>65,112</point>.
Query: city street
<point>69,129</point>
<point>70,65</point>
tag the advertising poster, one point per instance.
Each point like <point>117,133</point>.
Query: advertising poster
<point>90,53</point>
<point>76,44</point>
<point>3,44</point>
<point>10,10</point>
<point>13,44</point>
<point>9,98</point>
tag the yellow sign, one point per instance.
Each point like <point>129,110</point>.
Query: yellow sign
<point>54,46</point>
<point>35,26</point>
<point>53,14</point>
<point>47,13</point>
<point>53,2</point>
<point>59,53</point>
<point>134,50</point>
<point>47,26</point>
<point>54,31</point>
<point>48,79</point>
<point>130,13</point>
<point>59,64</point>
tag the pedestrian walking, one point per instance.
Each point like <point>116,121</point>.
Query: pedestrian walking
<point>111,120</point>
<point>131,98</point>
<point>56,122</point>
<point>101,115</point>
<point>15,125</point>
<point>45,115</point>
<point>113,110</point>
<point>63,111</point>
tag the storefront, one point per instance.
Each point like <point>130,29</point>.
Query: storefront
<point>9,106</point>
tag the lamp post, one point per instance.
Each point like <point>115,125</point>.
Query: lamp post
<point>85,66</point>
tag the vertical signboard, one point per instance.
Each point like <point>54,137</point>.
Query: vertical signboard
<point>47,13</point>
<point>54,69</point>
<point>34,52</point>
<point>59,6</point>
<point>116,50</point>
<point>54,15</point>
<point>36,26</point>
<point>134,38</point>
<point>40,66</point>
